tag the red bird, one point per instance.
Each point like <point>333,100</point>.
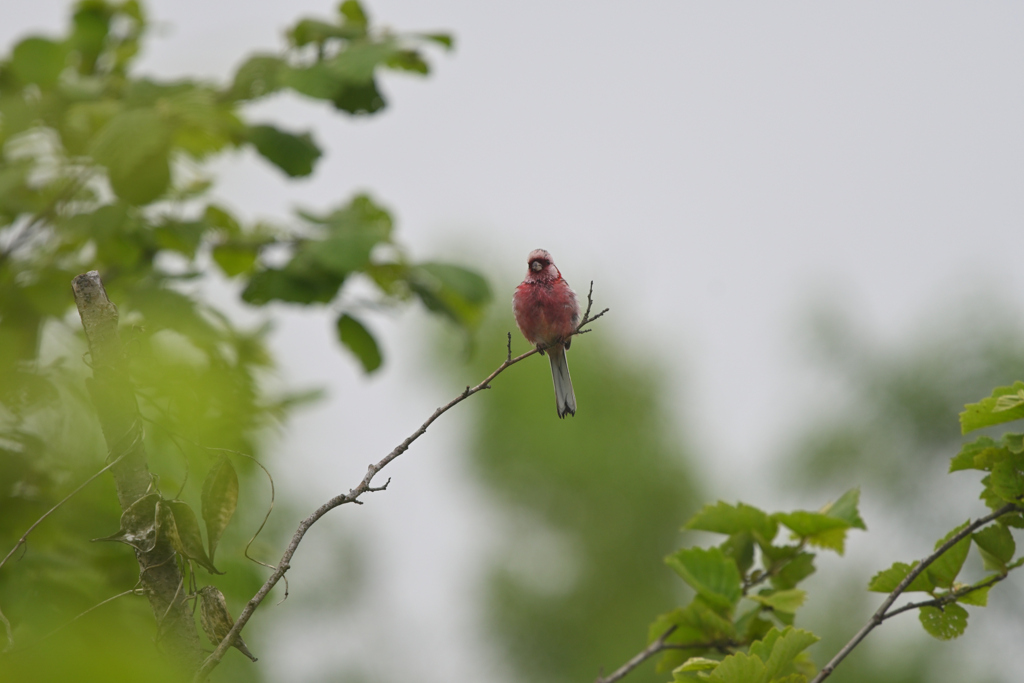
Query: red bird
<point>547,312</point>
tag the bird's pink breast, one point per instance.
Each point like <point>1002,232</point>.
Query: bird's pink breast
<point>545,312</point>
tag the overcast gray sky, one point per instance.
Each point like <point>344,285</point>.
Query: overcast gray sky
<point>715,167</point>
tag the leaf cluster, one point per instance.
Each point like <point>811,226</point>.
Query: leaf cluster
<point>739,625</point>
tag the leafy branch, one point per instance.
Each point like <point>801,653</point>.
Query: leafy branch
<point>883,613</point>
<point>365,486</point>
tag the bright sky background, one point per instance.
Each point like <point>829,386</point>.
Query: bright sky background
<point>715,167</point>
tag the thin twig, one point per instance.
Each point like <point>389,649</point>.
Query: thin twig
<point>24,537</point>
<point>131,591</point>
<point>952,596</point>
<point>640,657</point>
<point>364,486</point>
<point>881,614</point>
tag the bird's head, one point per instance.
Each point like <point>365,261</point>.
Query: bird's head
<point>541,266</point>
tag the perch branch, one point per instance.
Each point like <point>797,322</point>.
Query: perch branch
<point>364,486</point>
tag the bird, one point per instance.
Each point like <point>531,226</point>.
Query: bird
<point>216,620</point>
<point>547,313</point>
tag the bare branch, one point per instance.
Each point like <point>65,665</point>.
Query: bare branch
<point>640,657</point>
<point>883,611</point>
<point>365,486</point>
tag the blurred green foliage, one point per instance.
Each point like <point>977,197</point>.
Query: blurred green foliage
<point>102,169</point>
<point>593,504</point>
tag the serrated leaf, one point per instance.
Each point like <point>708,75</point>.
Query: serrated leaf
<point>996,545</point>
<point>1004,405</point>
<point>778,649</point>
<point>845,508</point>
<point>360,342</point>
<point>189,538</point>
<point>697,664</point>
<point>1007,481</point>
<point>833,539</point>
<point>966,458</point>
<point>887,580</point>
<point>1014,442</point>
<point>794,571</point>
<point>219,500</point>
<point>788,601</point>
<point>293,154</point>
<point>723,518</point>
<point>943,571</point>
<point>978,597</point>
<point>740,547</point>
<point>714,576</point>
<point>946,623</point>
<point>138,524</point>
<point>739,668</point>
<point>804,523</point>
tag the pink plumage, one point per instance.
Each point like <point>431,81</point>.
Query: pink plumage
<point>547,312</point>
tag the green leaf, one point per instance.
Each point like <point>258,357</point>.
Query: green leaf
<point>451,290</point>
<point>996,545</point>
<point>133,146</point>
<point>1007,481</point>
<point>39,61</point>
<point>1004,405</point>
<point>408,60</point>
<point>887,580</point>
<point>260,75</point>
<point>817,528</point>
<point>978,597</point>
<point>782,601</point>
<point>778,649</point>
<point>293,154</point>
<point>220,218</point>
<point>714,576</point>
<point>723,518</point>
<point>359,98</point>
<point>794,571</point>
<point>309,31</point>
<point>293,284</point>
<point>740,547</point>
<point>353,13</point>
<point>845,508</point>
<point>739,668</point>
<point>697,623</point>
<point>220,498</point>
<point>1014,442</point>
<point>967,457</point>
<point>443,39</point>
<point>360,342</point>
<point>697,664</point>
<point>188,540</point>
<point>342,254</point>
<point>943,571</point>
<point>183,237</point>
<point>804,523</point>
<point>946,623</point>
<point>235,258</point>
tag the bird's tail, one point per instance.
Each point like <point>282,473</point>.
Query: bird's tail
<point>565,399</point>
